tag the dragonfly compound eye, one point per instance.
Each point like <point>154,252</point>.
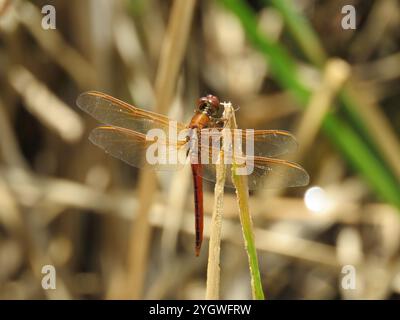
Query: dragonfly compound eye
<point>210,104</point>
<point>213,102</point>
<point>202,103</point>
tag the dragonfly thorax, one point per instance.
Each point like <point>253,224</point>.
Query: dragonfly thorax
<point>199,121</point>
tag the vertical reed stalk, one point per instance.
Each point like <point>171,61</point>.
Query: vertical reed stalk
<point>213,268</point>
<point>242,194</point>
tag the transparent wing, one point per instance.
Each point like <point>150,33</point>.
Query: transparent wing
<point>266,143</point>
<point>138,151</point>
<point>271,143</point>
<point>114,112</point>
<point>266,173</point>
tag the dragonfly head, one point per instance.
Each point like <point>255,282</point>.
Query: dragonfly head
<point>209,104</point>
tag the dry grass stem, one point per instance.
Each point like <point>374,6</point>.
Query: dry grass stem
<point>213,267</point>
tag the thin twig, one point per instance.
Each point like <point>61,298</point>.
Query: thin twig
<point>213,268</point>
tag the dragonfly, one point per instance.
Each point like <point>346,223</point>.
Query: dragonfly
<point>124,135</point>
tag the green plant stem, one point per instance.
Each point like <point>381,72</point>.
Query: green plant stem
<point>301,31</point>
<point>242,195</point>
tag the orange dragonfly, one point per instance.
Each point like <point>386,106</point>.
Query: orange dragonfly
<point>125,136</point>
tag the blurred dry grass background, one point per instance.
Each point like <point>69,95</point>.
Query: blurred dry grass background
<point>112,231</point>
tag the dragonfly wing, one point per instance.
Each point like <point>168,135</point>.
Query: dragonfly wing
<point>258,143</point>
<point>271,143</point>
<point>114,112</point>
<point>137,150</point>
<point>266,173</point>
